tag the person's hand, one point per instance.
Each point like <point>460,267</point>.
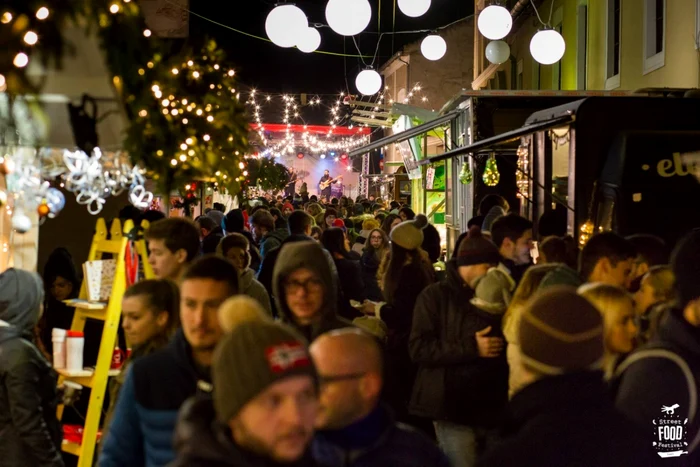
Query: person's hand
<point>489,347</point>
<point>368,308</point>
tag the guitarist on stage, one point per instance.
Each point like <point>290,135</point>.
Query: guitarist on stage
<point>324,186</point>
<point>291,187</point>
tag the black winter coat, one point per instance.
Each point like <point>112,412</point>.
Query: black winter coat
<point>200,441</point>
<point>570,421</point>
<point>211,241</point>
<point>453,382</point>
<point>398,316</point>
<point>351,286</point>
<point>30,434</point>
<point>651,383</point>
<point>370,265</point>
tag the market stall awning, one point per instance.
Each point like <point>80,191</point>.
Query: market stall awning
<point>503,138</point>
<point>404,135</point>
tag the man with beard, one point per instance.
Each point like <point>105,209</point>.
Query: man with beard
<point>158,384</point>
<point>263,407</point>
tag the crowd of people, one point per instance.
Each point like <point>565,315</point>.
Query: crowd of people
<point>295,332</point>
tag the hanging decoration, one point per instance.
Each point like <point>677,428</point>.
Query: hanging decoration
<point>491,176</point>
<point>309,40</point>
<point>465,175</point>
<point>547,47</point>
<point>348,17</point>
<point>285,24</point>
<point>368,82</point>
<point>497,52</point>
<point>494,22</point>
<point>433,47</point>
<point>522,174</point>
<point>414,8</point>
<point>188,199</point>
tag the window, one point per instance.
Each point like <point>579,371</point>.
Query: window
<point>654,34</point>
<point>613,45</point>
<point>582,46</point>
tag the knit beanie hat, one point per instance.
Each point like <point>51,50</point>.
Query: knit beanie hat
<point>251,358</point>
<point>287,206</point>
<point>494,290</point>
<point>409,234</point>
<point>561,332</point>
<point>685,263</point>
<point>477,249</point>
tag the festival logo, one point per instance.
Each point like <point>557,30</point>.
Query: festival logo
<point>670,432</point>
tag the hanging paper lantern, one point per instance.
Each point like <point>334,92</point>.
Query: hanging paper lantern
<point>547,47</point>
<point>414,8</point>
<point>494,22</point>
<point>21,222</point>
<point>465,175</point>
<point>368,82</point>
<point>285,24</point>
<point>309,40</point>
<point>348,17</point>
<point>491,176</point>
<point>497,52</point>
<point>433,47</point>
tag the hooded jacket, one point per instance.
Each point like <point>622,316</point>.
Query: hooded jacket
<point>30,434</point>
<point>253,288</point>
<point>307,255</point>
<point>272,240</point>
<point>201,441</point>
<point>144,419</point>
<point>268,266</point>
<point>453,382</point>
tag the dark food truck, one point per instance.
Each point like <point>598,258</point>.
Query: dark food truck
<point>627,164</point>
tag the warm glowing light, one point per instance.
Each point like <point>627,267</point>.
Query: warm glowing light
<point>143,113</point>
<point>206,137</point>
<point>183,146</point>
<point>114,8</point>
<point>147,32</point>
<point>21,60</point>
<point>31,38</point>
<point>189,141</point>
<point>165,102</point>
<point>195,74</point>
<point>6,17</point>
<point>210,118</point>
<point>173,162</point>
<point>42,13</point>
<point>231,72</point>
<point>175,71</point>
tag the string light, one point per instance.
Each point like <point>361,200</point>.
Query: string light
<point>6,17</point>
<point>31,38</point>
<point>114,8</point>
<point>491,176</point>
<point>42,13</point>
<point>21,60</point>
<point>147,33</point>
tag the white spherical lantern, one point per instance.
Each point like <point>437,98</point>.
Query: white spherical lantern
<point>21,222</point>
<point>309,40</point>
<point>547,47</point>
<point>414,8</point>
<point>494,22</point>
<point>368,82</point>
<point>348,17</point>
<point>284,24</point>
<point>433,47</point>
<point>497,52</point>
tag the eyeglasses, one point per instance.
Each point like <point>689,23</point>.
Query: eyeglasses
<point>309,285</point>
<point>327,379</point>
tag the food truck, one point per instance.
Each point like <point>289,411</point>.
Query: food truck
<point>628,164</point>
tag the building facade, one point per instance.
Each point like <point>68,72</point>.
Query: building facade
<point>610,45</point>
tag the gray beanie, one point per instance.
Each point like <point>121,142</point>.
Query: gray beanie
<point>492,216</point>
<point>21,295</point>
<point>493,291</point>
<point>409,234</point>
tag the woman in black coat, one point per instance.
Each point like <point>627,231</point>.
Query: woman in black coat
<point>376,247</point>
<point>349,273</point>
<point>30,434</point>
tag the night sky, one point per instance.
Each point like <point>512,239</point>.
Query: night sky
<point>272,69</point>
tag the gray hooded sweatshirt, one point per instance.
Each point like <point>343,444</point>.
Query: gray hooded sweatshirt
<point>307,255</point>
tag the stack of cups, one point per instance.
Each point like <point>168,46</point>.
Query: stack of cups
<point>75,342</point>
<point>58,337</point>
